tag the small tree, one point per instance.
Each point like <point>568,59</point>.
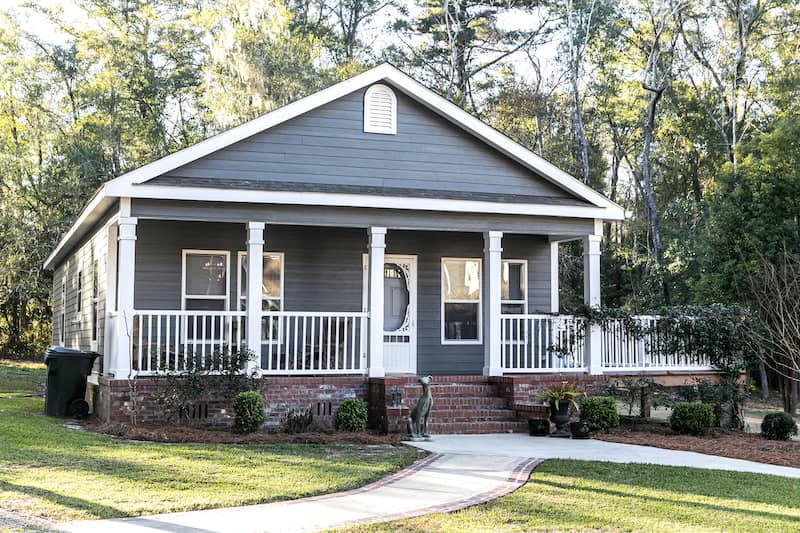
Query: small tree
<point>774,288</point>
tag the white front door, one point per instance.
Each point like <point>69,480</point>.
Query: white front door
<point>399,313</point>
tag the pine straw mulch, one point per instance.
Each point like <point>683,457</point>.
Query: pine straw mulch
<point>725,443</point>
<point>188,434</point>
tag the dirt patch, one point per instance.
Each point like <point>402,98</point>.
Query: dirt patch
<point>725,443</point>
<point>187,434</point>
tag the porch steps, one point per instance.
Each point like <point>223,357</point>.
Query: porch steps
<point>471,405</point>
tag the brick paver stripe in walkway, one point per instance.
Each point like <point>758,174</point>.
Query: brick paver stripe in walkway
<point>438,483</point>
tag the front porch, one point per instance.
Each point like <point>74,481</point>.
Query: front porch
<point>362,301</point>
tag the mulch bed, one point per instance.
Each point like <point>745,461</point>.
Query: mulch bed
<point>188,434</point>
<point>725,443</point>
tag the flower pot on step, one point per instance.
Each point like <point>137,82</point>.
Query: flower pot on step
<point>559,415</point>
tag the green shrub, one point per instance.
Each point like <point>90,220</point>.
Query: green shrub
<point>600,412</point>
<point>691,418</point>
<point>778,426</point>
<point>248,412</point>
<point>351,415</point>
<point>297,420</point>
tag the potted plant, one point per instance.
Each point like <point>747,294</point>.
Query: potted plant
<point>559,398</point>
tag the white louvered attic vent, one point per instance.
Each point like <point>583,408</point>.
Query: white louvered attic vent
<point>380,110</point>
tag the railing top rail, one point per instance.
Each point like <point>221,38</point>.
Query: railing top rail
<point>356,314</point>
<point>542,316</point>
<point>172,312</point>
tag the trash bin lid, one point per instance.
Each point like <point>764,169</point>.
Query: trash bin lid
<point>60,351</point>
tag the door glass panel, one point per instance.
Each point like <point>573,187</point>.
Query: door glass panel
<point>395,297</point>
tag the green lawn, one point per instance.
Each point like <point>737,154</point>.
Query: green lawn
<point>52,472</point>
<point>18,377</point>
<point>595,496</point>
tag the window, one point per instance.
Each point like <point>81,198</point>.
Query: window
<point>271,289</point>
<point>79,294</point>
<point>95,297</point>
<point>205,280</point>
<point>63,329</point>
<point>380,110</point>
<point>461,301</point>
<point>513,283</point>
<point>271,282</point>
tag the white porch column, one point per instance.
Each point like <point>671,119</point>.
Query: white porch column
<point>591,298</point>
<point>120,364</point>
<point>377,250</point>
<point>255,268</point>
<point>493,251</point>
<point>109,336</point>
<point>554,300</point>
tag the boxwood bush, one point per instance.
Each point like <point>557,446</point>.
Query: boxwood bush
<point>778,426</point>
<point>248,412</point>
<point>600,412</point>
<point>691,418</point>
<point>351,415</point>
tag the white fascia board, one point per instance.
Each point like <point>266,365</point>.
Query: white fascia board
<point>206,194</point>
<point>248,129</point>
<point>409,86</point>
<point>78,228</point>
<point>499,141</point>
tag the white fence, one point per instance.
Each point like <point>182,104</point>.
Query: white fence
<point>650,345</point>
<point>313,343</point>
<point>174,341</point>
<point>542,343</point>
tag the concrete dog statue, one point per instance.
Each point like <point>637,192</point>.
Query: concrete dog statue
<point>418,419</point>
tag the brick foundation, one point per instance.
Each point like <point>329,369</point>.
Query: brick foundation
<point>134,401</point>
<point>463,404</point>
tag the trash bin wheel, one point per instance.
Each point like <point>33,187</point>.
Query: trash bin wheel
<point>79,408</point>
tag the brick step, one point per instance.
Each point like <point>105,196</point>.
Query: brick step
<point>460,391</point>
<point>443,414</point>
<point>483,402</point>
<point>504,426</point>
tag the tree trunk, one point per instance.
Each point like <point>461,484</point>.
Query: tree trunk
<point>647,185</point>
<point>578,125</point>
<point>762,370</point>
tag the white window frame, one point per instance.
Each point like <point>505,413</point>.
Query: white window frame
<point>443,301</point>
<point>241,258</point>
<point>94,307</point>
<point>226,297</point>
<point>524,277</point>
<point>62,334</point>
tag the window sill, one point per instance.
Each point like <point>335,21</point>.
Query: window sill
<point>462,343</point>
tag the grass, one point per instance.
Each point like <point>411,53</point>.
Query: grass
<point>570,495</point>
<point>52,472</point>
<point>21,377</point>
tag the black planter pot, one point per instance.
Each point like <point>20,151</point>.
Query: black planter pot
<point>538,427</point>
<point>559,415</point>
<point>580,430</point>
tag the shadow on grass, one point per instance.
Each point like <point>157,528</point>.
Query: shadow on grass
<point>726,485</point>
<point>71,502</point>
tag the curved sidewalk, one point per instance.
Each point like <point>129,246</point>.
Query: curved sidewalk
<point>520,445</point>
<point>438,483</point>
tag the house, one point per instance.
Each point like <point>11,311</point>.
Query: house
<point>354,239</point>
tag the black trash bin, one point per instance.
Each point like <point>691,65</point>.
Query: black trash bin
<point>67,371</point>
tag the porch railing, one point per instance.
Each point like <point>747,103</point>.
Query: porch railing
<point>314,342</point>
<point>650,345</point>
<point>173,341</point>
<point>557,343</point>
<point>542,343</point>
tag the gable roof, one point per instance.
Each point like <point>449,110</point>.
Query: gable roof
<point>134,184</point>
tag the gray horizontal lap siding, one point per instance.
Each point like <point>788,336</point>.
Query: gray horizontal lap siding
<point>323,272</point>
<point>328,146</point>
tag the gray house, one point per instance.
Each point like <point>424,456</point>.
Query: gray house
<point>371,231</point>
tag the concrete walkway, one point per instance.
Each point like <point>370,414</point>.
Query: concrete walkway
<point>520,445</point>
<point>437,483</point>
